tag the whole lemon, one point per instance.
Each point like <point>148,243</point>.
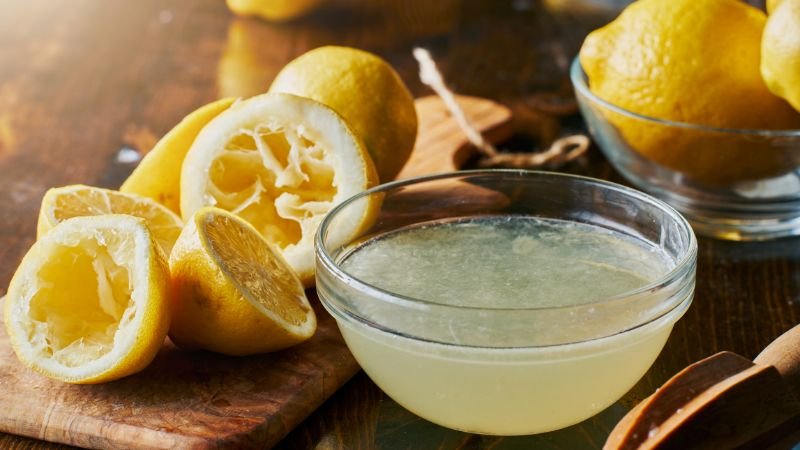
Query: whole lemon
<point>780,50</point>
<point>691,61</point>
<point>366,91</point>
<point>272,10</point>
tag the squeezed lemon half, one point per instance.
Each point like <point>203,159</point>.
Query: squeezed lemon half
<point>90,301</point>
<point>280,162</point>
<point>63,203</point>
<point>234,293</point>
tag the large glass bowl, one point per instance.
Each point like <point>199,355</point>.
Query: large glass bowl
<point>730,183</point>
<point>520,370</point>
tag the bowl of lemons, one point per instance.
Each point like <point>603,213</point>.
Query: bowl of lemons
<point>697,102</point>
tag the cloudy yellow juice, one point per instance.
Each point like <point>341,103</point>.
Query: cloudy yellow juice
<point>506,326</point>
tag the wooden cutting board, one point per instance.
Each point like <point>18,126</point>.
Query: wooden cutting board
<point>202,400</point>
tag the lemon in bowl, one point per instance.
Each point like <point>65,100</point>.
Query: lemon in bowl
<point>673,95</point>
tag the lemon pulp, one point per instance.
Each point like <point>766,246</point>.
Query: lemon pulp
<point>234,292</point>
<point>90,300</point>
<point>84,298</point>
<point>280,162</point>
<point>275,178</point>
<point>252,265</point>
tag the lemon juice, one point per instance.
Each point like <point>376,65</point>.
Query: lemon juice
<point>506,324</point>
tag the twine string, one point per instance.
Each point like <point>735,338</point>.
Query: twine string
<point>430,75</point>
<point>561,151</point>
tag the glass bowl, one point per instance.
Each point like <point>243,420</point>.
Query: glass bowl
<point>495,368</point>
<point>730,184</point>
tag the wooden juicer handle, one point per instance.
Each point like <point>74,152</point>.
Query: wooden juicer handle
<point>723,401</point>
<point>784,354</point>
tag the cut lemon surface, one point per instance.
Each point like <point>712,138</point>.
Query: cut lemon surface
<point>62,203</point>
<point>234,293</point>
<point>281,162</point>
<point>90,301</point>
<point>158,175</point>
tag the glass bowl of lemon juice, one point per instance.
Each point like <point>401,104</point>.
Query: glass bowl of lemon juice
<point>506,302</point>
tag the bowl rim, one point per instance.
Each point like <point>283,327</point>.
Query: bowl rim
<point>678,282</point>
<point>683,265</point>
<point>580,83</point>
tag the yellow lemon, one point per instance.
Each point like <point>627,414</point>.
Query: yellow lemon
<point>245,68</point>
<point>780,50</point>
<point>234,293</point>
<point>366,91</point>
<point>772,5</point>
<point>693,61</point>
<point>281,162</point>
<point>90,301</point>
<point>273,10</point>
<point>60,204</point>
<point>158,174</point>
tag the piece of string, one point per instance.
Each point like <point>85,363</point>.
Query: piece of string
<point>561,151</point>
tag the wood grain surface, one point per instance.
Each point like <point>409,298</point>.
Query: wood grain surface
<point>182,399</point>
<point>82,80</point>
<point>441,146</point>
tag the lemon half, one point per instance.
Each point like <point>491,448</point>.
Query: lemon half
<point>281,162</point>
<point>62,203</point>
<point>90,301</point>
<point>234,293</point>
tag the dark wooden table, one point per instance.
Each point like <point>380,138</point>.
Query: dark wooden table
<point>82,80</point>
